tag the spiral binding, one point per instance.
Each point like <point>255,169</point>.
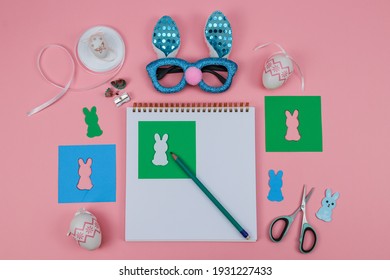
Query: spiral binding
<point>191,107</point>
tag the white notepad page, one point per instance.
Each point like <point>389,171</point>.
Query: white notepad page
<point>176,209</point>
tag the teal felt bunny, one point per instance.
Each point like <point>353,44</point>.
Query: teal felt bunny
<point>328,204</point>
<point>91,119</point>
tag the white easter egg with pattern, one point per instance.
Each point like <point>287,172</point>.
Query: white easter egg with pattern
<point>276,71</point>
<point>85,230</point>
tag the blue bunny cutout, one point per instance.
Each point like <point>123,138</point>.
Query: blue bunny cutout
<point>275,183</point>
<point>328,204</point>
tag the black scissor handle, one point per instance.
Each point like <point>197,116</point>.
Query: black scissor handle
<point>305,229</point>
<point>286,225</point>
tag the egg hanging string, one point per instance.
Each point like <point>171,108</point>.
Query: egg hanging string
<point>282,51</point>
<point>67,87</point>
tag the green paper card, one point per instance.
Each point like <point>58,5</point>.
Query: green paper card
<point>293,124</point>
<point>156,139</point>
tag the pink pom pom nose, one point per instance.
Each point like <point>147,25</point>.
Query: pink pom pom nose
<point>193,76</point>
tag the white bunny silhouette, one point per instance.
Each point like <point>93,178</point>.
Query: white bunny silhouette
<point>292,124</point>
<point>160,148</point>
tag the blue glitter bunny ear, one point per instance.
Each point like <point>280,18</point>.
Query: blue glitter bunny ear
<point>218,35</point>
<point>166,37</point>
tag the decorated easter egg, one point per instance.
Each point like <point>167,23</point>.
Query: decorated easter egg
<point>85,229</point>
<point>277,69</point>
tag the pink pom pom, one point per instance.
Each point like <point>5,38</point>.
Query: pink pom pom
<point>193,76</point>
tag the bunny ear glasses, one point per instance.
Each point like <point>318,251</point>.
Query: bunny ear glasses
<point>213,74</point>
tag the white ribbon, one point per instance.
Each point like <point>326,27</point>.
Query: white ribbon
<point>64,89</point>
<point>67,87</point>
<point>288,56</point>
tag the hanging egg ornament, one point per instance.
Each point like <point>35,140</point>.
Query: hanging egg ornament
<point>277,70</point>
<point>85,229</point>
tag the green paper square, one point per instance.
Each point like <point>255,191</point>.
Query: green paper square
<point>181,141</point>
<point>310,124</point>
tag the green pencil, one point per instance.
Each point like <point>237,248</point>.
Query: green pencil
<point>209,195</point>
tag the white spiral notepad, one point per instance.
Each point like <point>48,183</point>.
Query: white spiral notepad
<point>217,142</point>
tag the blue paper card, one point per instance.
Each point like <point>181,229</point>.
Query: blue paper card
<point>86,173</point>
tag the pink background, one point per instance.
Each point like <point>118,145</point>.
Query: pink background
<point>343,50</point>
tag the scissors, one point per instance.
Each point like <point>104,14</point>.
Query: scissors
<point>288,220</point>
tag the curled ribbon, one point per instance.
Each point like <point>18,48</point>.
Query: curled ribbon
<point>67,87</point>
<point>63,89</point>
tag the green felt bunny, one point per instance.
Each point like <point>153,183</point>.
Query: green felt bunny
<point>91,119</point>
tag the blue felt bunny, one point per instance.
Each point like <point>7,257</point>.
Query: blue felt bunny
<point>328,204</point>
<point>275,183</point>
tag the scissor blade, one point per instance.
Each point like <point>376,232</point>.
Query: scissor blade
<point>303,202</point>
<point>309,195</point>
<point>306,200</point>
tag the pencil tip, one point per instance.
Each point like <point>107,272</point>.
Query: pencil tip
<point>174,155</point>
<point>248,237</point>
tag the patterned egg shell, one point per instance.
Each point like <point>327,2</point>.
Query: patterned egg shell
<point>85,230</point>
<point>277,70</point>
